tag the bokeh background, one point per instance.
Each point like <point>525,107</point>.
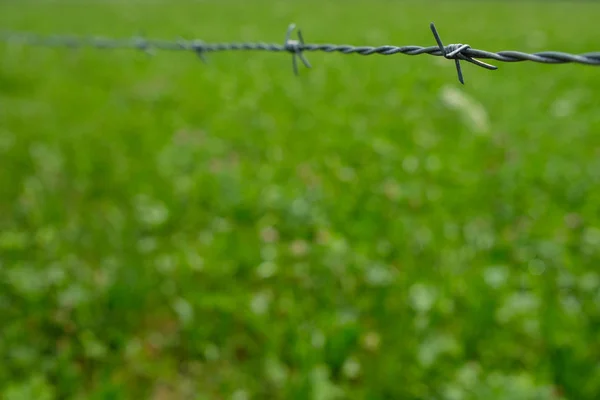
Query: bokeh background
<point>371,229</point>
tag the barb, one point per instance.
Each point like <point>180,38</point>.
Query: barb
<point>140,42</point>
<point>295,47</point>
<point>456,52</point>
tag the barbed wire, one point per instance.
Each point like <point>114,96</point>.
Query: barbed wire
<point>297,47</point>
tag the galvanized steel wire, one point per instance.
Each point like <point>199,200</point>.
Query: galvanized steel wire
<point>297,47</point>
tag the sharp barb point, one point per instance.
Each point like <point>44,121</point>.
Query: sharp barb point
<point>459,71</point>
<point>482,64</point>
<point>288,34</point>
<point>437,38</point>
<point>304,60</point>
<point>295,64</point>
<point>201,56</point>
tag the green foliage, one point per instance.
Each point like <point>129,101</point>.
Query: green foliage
<point>370,229</point>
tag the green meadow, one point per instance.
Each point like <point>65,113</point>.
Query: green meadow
<point>369,229</point>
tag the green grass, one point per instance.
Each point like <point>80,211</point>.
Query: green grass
<point>370,229</point>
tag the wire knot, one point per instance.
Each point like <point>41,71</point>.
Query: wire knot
<point>140,43</point>
<point>199,48</point>
<point>458,52</point>
<point>454,51</point>
<point>295,47</point>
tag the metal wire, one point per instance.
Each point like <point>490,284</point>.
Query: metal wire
<point>456,52</point>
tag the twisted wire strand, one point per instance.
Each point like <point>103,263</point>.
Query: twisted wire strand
<point>456,52</point>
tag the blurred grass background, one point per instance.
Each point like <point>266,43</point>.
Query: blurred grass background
<point>370,229</point>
